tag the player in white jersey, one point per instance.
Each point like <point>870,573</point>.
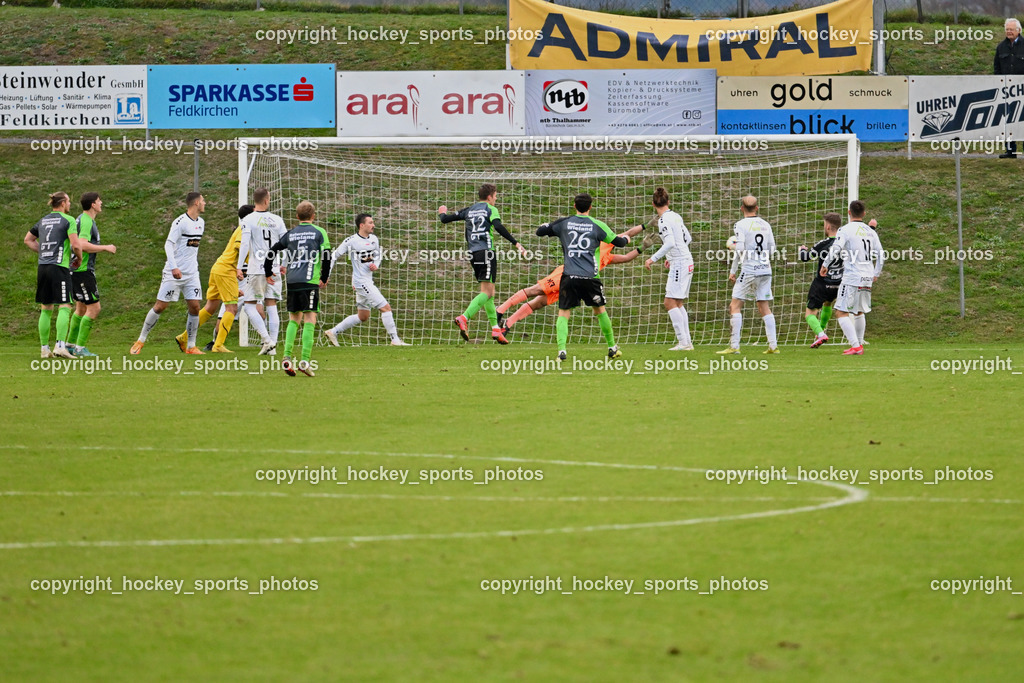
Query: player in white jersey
<point>260,231</point>
<point>181,273</point>
<point>675,240</point>
<point>857,244</point>
<point>363,250</point>
<point>754,248</point>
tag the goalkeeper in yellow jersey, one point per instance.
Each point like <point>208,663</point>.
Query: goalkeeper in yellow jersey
<point>223,287</point>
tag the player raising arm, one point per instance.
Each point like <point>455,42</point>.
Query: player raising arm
<point>858,246</point>
<point>363,250</point>
<point>480,218</point>
<point>580,236</point>
<point>308,253</point>
<point>545,292</point>
<point>675,241</point>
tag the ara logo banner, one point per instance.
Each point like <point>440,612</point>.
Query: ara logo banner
<point>966,107</point>
<point>242,96</point>
<point>428,103</point>
<point>831,39</point>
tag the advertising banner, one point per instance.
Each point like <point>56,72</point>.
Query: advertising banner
<point>427,103</point>
<point>640,102</point>
<point>242,96</point>
<point>874,108</point>
<point>975,108</point>
<point>830,39</point>
<point>72,97</point>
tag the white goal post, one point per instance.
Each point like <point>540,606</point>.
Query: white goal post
<point>426,278</point>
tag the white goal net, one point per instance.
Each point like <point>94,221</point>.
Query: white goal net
<point>428,280</point>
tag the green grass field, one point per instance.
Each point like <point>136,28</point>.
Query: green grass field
<point>155,473</point>
<point>116,475</point>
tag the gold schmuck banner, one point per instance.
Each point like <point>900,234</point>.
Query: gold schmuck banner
<point>830,39</point>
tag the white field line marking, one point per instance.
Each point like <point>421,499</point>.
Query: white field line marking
<point>413,497</point>
<point>854,495</point>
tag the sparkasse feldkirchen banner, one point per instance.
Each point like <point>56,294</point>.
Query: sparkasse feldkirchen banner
<point>830,39</point>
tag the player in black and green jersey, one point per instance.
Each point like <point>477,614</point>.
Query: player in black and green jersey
<point>581,237</point>
<point>480,218</point>
<point>308,255</point>
<point>823,292</point>
<point>83,279</point>
<point>55,239</point>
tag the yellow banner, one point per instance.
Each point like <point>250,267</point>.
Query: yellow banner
<point>830,39</point>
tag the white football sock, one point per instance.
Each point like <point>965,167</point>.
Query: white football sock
<point>152,318</point>
<point>850,330</point>
<point>736,321</point>
<point>191,327</point>
<point>859,322</point>
<point>769,329</point>
<point>388,318</point>
<point>681,324</point>
<point>256,320</point>
<point>346,324</point>
<point>273,322</point>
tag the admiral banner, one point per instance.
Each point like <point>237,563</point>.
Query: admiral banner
<point>643,102</point>
<point>379,103</point>
<point>830,39</point>
<point>242,96</point>
<point>72,97</point>
<point>976,108</point>
<point>874,108</point>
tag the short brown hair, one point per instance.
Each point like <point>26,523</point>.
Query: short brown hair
<point>833,219</point>
<point>660,197</point>
<point>191,198</point>
<point>87,200</point>
<point>260,195</point>
<point>857,209</point>
<point>305,211</point>
<point>486,190</point>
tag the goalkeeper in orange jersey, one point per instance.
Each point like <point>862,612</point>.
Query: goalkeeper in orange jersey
<point>545,292</point>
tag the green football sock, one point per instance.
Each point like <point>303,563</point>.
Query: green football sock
<point>289,337</point>
<point>606,328</point>
<point>826,315</point>
<point>492,313</point>
<point>562,330</point>
<point>83,331</point>
<point>44,326</point>
<point>475,305</point>
<point>812,320</point>
<point>308,335</point>
<point>76,320</point>
<point>63,323</point>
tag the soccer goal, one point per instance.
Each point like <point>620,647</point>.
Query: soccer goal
<point>428,280</point>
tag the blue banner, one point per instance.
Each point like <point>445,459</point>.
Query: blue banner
<point>869,125</point>
<point>242,96</point>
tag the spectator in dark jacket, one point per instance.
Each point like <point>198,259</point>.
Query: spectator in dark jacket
<point>1010,62</point>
